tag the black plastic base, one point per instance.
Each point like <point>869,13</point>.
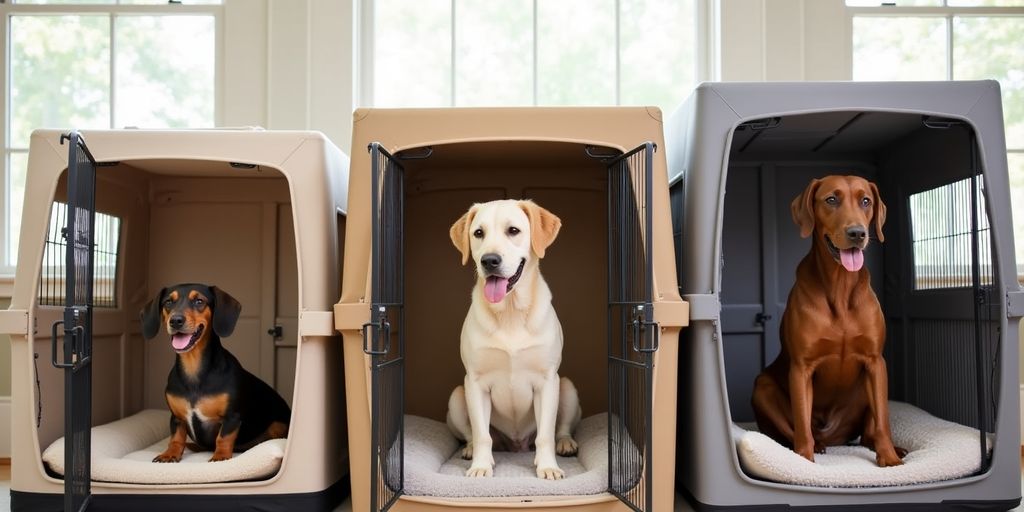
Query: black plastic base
<point>944,506</point>
<point>327,499</point>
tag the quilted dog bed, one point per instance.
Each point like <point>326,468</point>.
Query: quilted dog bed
<point>123,451</point>
<point>434,466</point>
<point>937,450</point>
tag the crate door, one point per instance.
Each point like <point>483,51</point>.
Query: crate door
<point>632,333</point>
<point>76,357</point>
<point>949,323</point>
<point>383,336</point>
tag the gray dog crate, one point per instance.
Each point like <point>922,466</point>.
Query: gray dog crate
<point>737,155</point>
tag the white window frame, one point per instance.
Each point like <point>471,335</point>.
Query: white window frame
<point>8,10</point>
<point>364,37</point>
<point>948,13</point>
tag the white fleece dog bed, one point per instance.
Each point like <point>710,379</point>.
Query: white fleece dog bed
<point>937,450</point>
<point>123,451</point>
<point>434,466</point>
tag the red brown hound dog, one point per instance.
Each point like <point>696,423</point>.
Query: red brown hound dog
<point>213,400</point>
<point>829,385</point>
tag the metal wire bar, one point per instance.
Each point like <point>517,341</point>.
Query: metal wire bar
<point>52,286</point>
<point>632,336</point>
<point>386,343</point>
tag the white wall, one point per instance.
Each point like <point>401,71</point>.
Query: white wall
<point>787,40</point>
<point>288,65</point>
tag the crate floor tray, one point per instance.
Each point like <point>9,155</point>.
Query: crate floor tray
<point>937,450</point>
<point>434,466</point>
<point>123,450</point>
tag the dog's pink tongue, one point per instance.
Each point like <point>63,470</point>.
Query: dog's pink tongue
<point>495,289</point>
<point>180,340</point>
<point>852,259</point>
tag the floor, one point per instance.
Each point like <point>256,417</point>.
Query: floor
<point>5,497</point>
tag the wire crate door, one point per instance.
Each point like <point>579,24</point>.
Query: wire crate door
<point>632,333</point>
<point>383,336</point>
<point>76,357</point>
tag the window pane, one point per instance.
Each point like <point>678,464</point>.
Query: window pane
<point>412,53</point>
<point>986,47</point>
<point>658,43</point>
<point>1016,161</point>
<point>576,52</point>
<point>17,169</point>
<point>60,74</point>
<point>899,48</point>
<point>494,52</point>
<point>161,85</point>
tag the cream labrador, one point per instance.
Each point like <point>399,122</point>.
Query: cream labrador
<point>511,342</point>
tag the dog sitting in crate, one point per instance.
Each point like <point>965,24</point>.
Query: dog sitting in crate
<point>214,401</point>
<point>511,343</point>
<point>828,385</point>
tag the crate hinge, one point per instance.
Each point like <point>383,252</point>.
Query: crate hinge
<point>703,306</point>
<point>1015,304</point>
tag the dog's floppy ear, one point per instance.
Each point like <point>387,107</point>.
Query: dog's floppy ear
<point>460,233</point>
<point>879,212</point>
<point>802,209</point>
<point>225,312</point>
<point>150,316</point>
<point>544,226</point>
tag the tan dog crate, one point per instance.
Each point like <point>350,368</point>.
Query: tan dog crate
<point>611,271</point>
<point>259,214</point>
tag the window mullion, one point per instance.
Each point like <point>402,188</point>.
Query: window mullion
<point>113,71</point>
<point>949,45</point>
<point>5,165</point>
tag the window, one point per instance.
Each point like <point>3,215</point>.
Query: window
<point>951,40</point>
<point>100,64</point>
<point>106,237</point>
<point>436,53</point>
<point>942,232</point>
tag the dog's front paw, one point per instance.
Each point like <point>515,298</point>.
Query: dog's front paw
<point>480,471</point>
<point>467,451</point>
<point>566,446</point>
<point>167,457</point>
<point>807,454</point>
<point>887,460</point>
<point>819,447</point>
<point>217,457</point>
<point>552,473</point>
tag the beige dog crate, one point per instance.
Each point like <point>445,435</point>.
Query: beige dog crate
<point>406,293</point>
<point>261,215</point>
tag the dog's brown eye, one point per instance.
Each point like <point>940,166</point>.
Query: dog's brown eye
<point>865,202</point>
<point>831,200</point>
<point>168,303</point>
<point>513,231</point>
<point>198,302</point>
<point>479,233</point>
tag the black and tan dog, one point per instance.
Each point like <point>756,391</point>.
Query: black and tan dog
<point>213,400</point>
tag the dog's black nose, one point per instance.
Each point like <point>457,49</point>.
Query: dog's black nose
<point>176,321</point>
<point>856,233</point>
<point>490,261</point>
